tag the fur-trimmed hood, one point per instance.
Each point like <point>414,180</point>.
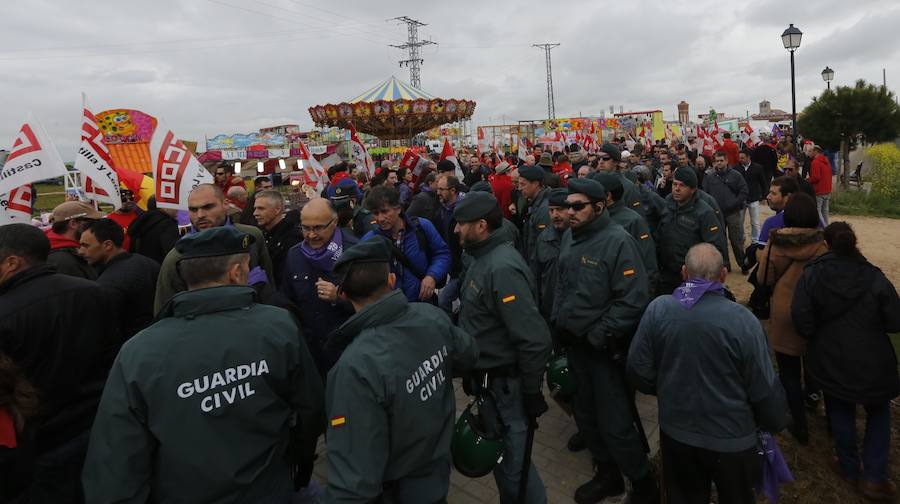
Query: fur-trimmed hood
<point>798,243</point>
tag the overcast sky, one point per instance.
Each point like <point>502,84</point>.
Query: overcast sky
<point>233,66</point>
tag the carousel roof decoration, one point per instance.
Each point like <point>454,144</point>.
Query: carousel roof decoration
<point>392,110</point>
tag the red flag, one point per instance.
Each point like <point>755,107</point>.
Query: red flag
<point>413,162</point>
<point>359,151</point>
<point>448,154</point>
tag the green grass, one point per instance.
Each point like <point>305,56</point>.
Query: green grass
<point>856,202</point>
<point>48,196</point>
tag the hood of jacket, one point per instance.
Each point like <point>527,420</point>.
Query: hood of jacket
<point>801,244</point>
<point>839,281</point>
<point>58,241</point>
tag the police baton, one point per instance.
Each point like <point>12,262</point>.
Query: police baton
<point>526,462</point>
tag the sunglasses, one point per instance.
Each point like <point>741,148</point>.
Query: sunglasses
<point>220,173</point>
<point>605,158</point>
<point>578,205</point>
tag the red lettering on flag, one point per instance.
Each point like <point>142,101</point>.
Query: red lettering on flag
<point>169,169</point>
<point>25,143</point>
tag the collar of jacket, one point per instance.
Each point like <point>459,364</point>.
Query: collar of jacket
<point>554,236</point>
<point>616,206</point>
<point>541,196</point>
<point>117,258</point>
<point>675,207</point>
<point>189,304</point>
<point>601,222</point>
<point>284,226</point>
<point>481,248</point>
<point>25,276</point>
<point>386,310</point>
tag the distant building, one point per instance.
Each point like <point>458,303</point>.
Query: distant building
<point>767,113</point>
<point>684,117</point>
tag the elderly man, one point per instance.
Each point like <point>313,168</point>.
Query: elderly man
<point>206,207</point>
<point>308,279</point>
<point>219,382</point>
<point>699,352</point>
<point>280,230</point>
<point>236,197</point>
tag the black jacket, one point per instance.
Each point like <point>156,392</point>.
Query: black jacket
<point>728,188</point>
<point>757,185</point>
<point>846,308</point>
<point>131,280</point>
<point>765,156</point>
<point>280,239</point>
<point>67,261</point>
<point>425,205</point>
<point>153,234</point>
<point>58,331</point>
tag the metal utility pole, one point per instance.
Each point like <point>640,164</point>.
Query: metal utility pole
<point>551,107</point>
<point>413,44</point>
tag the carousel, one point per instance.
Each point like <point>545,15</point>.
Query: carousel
<point>392,110</point>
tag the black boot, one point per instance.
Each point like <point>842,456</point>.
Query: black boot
<point>607,482</point>
<point>576,443</point>
<point>644,491</point>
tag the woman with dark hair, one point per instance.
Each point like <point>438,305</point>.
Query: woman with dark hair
<point>846,307</point>
<point>781,263</point>
<point>18,403</point>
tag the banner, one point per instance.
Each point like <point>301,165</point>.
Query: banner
<point>16,206</point>
<point>175,170</point>
<point>448,154</point>
<point>33,157</point>
<point>413,162</point>
<point>359,152</point>
<point>234,155</point>
<point>93,160</point>
<point>314,175</point>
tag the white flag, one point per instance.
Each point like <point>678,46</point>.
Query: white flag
<point>360,153</point>
<point>313,172</point>
<point>94,162</point>
<point>33,157</point>
<point>175,170</point>
<point>16,206</point>
<point>523,150</point>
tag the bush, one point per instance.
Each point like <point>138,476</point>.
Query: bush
<point>856,202</point>
<point>885,169</point>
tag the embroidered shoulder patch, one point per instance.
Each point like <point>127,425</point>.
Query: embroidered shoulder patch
<point>338,421</point>
<point>628,272</point>
<point>509,299</point>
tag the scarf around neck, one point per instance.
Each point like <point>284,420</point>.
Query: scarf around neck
<point>323,258</point>
<point>690,292</point>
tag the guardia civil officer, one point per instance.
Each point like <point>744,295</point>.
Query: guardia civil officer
<point>498,308</point>
<point>600,295</point>
<point>537,216</point>
<point>688,221</point>
<point>390,396</point>
<point>631,221</point>
<point>547,249</point>
<point>216,401</point>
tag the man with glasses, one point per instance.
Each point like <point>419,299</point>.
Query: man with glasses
<point>448,191</point>
<point>125,215</point>
<point>225,181</point>
<point>309,281</point>
<point>69,220</point>
<point>600,295</point>
<point>792,170</point>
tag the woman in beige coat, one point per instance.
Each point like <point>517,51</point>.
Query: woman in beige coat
<point>781,263</point>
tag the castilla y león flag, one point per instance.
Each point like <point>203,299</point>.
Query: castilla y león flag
<point>33,157</point>
<point>175,169</point>
<point>448,154</point>
<point>94,162</point>
<point>413,162</point>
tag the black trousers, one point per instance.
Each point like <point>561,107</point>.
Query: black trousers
<point>791,372</point>
<point>688,472</point>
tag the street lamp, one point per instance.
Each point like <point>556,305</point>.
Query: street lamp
<point>791,40</point>
<point>827,76</point>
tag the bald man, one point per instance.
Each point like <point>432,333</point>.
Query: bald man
<point>207,209</point>
<point>309,280</point>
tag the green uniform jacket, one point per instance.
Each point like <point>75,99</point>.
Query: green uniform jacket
<point>391,404</point>
<point>198,407</point>
<point>535,222</point>
<point>652,206</point>
<point>499,310</point>
<point>637,227</point>
<point>681,228</point>
<point>722,241</point>
<point>602,288</point>
<point>546,254</point>
<point>631,195</point>
<point>170,282</point>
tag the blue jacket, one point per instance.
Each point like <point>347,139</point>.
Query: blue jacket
<point>318,318</point>
<point>434,262</point>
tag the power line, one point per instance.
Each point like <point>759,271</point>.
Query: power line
<point>551,107</point>
<point>413,44</point>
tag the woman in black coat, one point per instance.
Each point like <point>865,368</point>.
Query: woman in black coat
<point>846,307</point>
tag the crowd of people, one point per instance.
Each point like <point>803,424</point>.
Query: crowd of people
<point>145,361</point>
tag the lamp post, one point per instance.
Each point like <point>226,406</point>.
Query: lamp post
<point>827,76</point>
<point>791,40</point>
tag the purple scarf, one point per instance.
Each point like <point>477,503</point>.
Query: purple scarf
<point>690,292</point>
<point>323,258</point>
<point>775,469</point>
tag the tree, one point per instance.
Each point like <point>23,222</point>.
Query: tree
<point>847,116</point>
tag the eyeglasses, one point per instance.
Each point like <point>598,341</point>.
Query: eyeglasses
<point>605,158</point>
<point>578,205</point>
<point>316,229</point>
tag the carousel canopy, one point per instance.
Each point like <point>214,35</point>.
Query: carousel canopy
<point>392,110</point>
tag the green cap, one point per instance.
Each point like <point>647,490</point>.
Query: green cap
<point>612,182</point>
<point>590,188</point>
<point>476,205</point>
<point>557,196</point>
<point>481,186</point>
<point>533,173</point>
<point>373,250</point>
<point>686,176</point>
<point>214,242</point>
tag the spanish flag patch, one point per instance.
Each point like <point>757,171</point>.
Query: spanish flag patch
<point>714,228</point>
<point>509,299</point>
<point>338,421</point>
<point>645,236</point>
<point>628,272</point>
<point>541,226</point>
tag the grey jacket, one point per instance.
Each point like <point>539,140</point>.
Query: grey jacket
<point>728,188</point>
<point>710,369</point>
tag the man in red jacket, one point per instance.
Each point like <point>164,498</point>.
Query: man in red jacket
<point>820,178</point>
<point>731,149</point>
<point>502,185</point>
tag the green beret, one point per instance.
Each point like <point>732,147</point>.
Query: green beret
<point>373,250</point>
<point>686,176</point>
<point>557,196</point>
<point>214,242</point>
<point>612,182</point>
<point>533,173</point>
<point>546,159</point>
<point>589,187</point>
<point>481,186</point>
<point>476,205</point>
<point>612,150</point>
